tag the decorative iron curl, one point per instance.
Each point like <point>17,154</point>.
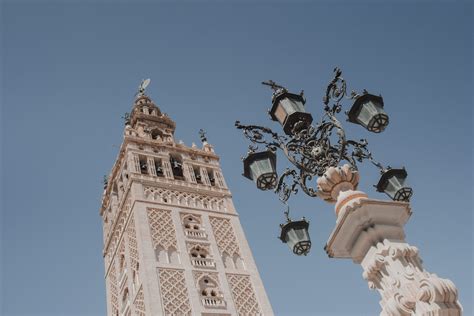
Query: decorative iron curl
<point>256,134</point>
<point>285,190</point>
<point>304,177</point>
<point>312,149</point>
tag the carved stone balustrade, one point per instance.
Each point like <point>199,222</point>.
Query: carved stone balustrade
<point>195,234</point>
<point>213,302</point>
<point>203,263</point>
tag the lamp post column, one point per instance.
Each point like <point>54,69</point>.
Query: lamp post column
<point>371,233</point>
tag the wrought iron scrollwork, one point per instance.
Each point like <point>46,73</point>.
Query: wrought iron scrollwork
<point>312,149</point>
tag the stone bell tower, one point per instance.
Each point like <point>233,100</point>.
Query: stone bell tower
<point>173,243</point>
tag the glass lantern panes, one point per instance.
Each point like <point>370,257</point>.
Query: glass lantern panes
<point>261,168</point>
<point>393,183</point>
<point>368,111</point>
<point>296,236</point>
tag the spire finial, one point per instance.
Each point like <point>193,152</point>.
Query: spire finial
<point>142,86</point>
<point>202,135</point>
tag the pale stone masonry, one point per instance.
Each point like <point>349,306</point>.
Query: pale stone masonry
<point>371,233</point>
<point>173,243</point>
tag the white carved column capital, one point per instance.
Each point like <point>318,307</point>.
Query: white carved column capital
<point>371,233</point>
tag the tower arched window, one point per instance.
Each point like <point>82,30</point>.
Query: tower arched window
<point>212,178</point>
<point>211,296</point>
<point>191,222</point>
<point>199,252</point>
<point>192,225</point>
<point>143,165</point>
<point>197,174</point>
<point>177,167</point>
<point>156,134</point>
<point>158,167</point>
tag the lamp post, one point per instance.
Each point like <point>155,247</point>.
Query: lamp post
<point>368,231</point>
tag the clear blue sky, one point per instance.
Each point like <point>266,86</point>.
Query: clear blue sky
<point>70,71</point>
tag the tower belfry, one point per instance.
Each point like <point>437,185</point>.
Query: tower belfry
<point>173,243</point>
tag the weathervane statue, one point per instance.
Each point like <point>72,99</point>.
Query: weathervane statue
<point>142,87</point>
<point>368,231</point>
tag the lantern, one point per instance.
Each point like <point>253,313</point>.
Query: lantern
<point>295,235</point>
<point>392,182</point>
<point>367,111</point>
<point>288,110</point>
<point>261,168</point>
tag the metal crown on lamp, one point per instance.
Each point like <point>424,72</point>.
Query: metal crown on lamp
<point>314,149</point>
<point>367,111</point>
<point>261,168</point>
<point>392,182</point>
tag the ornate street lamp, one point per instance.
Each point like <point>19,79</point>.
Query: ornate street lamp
<point>261,168</point>
<point>392,182</point>
<point>295,235</point>
<point>368,231</point>
<point>314,149</point>
<point>367,111</point>
<point>288,109</point>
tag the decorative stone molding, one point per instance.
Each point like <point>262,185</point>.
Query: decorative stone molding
<point>183,198</point>
<point>395,270</point>
<point>336,180</point>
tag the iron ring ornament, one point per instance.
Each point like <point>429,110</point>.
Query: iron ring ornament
<point>314,148</point>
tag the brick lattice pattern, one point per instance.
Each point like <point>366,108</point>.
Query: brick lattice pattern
<point>224,234</point>
<point>139,303</point>
<point>174,292</point>
<point>132,245</point>
<point>244,296</point>
<point>162,228</point>
<point>113,290</point>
